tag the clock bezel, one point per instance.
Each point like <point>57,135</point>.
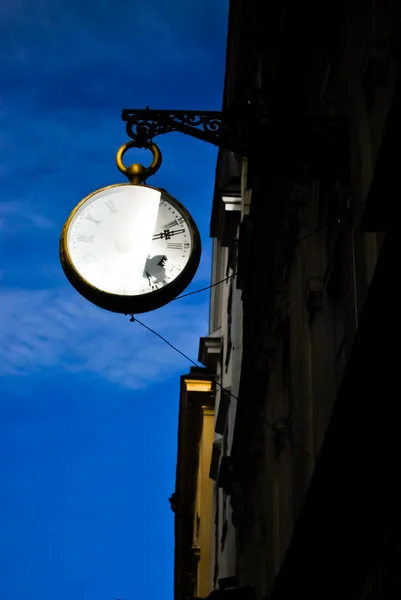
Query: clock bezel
<point>142,302</point>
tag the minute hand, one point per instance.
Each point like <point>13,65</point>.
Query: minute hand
<point>167,234</point>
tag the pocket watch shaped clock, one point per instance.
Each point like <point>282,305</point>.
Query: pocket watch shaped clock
<point>130,248</point>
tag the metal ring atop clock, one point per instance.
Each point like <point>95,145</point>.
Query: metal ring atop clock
<point>136,172</point>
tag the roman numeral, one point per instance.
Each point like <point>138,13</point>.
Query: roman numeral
<point>87,259</point>
<point>162,261</point>
<point>174,246</point>
<point>171,269</point>
<point>169,225</point>
<point>169,266</point>
<point>90,218</point>
<point>84,238</point>
<point>110,205</point>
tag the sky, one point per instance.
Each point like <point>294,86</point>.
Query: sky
<point>89,400</point>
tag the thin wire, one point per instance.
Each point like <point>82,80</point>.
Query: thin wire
<point>134,319</point>
<point>205,288</point>
<point>272,427</point>
<point>289,439</point>
<point>208,287</point>
<point>310,233</point>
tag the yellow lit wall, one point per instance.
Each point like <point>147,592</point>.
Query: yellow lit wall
<point>204,505</point>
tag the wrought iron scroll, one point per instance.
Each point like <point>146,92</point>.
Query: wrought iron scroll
<point>222,129</point>
<point>296,144</point>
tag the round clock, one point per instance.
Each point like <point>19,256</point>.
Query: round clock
<point>130,248</point>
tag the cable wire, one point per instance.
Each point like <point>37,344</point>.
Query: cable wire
<point>291,441</point>
<point>270,425</point>
<point>205,288</point>
<point>208,287</point>
<point>134,319</point>
<point>305,237</point>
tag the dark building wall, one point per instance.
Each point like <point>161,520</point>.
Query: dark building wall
<point>309,265</point>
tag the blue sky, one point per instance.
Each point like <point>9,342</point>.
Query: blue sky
<point>88,400</point>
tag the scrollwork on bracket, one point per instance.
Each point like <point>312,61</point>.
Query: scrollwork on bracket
<point>297,145</point>
<point>216,127</point>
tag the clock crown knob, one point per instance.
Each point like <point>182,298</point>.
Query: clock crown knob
<point>137,173</point>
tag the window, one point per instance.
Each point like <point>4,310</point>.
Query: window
<point>226,498</point>
<point>217,534</point>
<point>375,72</point>
<point>216,292</point>
<point>335,291</point>
<point>229,321</point>
<point>337,203</point>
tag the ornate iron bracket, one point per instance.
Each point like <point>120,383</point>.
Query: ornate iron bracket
<point>222,129</point>
<point>296,145</point>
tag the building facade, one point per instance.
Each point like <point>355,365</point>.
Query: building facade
<point>318,272</point>
<point>221,353</point>
<point>304,327</point>
<point>193,497</point>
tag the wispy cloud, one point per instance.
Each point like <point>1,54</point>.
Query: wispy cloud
<point>18,216</point>
<point>51,330</point>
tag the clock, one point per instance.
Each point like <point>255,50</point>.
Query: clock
<point>130,248</point>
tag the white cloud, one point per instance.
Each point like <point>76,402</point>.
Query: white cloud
<point>56,330</point>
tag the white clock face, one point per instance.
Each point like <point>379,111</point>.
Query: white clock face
<point>129,240</point>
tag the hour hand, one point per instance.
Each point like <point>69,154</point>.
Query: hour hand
<point>150,277</point>
<point>167,234</point>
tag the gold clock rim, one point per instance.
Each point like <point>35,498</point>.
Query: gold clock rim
<point>69,267</point>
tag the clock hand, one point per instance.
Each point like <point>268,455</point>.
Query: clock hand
<point>149,276</point>
<point>167,234</point>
